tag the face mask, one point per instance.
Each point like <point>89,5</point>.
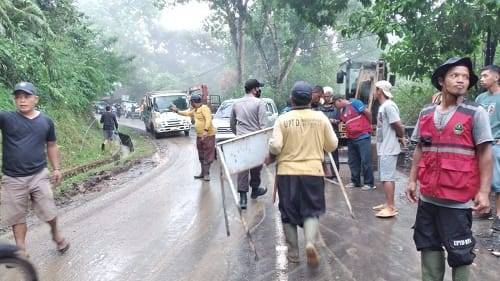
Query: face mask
<point>258,93</point>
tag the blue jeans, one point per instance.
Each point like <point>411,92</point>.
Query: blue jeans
<point>359,153</point>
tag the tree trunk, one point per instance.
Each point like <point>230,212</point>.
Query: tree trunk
<point>490,46</point>
<point>239,52</point>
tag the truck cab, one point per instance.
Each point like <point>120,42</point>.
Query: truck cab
<point>158,117</point>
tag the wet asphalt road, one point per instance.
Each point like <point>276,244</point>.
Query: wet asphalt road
<point>164,225</point>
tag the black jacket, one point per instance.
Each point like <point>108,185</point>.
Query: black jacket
<point>108,119</point>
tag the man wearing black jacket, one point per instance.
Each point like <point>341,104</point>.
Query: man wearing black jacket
<point>109,123</point>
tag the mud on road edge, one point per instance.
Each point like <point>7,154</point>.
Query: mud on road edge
<point>96,179</point>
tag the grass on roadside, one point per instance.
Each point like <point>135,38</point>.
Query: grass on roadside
<point>142,147</point>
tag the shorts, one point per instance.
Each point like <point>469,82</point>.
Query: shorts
<point>300,197</point>
<point>108,134</point>
<point>387,167</point>
<point>18,192</point>
<point>495,180</point>
<point>437,226</point>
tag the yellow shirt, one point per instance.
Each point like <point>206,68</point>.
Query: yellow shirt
<point>202,119</point>
<point>299,140</point>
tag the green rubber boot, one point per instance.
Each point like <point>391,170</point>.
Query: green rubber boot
<point>432,265</point>
<point>460,273</point>
<point>311,226</point>
<point>292,242</point>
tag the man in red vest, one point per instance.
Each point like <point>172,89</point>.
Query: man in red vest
<point>453,165</point>
<point>358,122</point>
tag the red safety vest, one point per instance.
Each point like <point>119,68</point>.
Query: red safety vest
<point>356,123</point>
<point>448,168</point>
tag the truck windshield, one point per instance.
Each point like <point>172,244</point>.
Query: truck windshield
<point>224,110</point>
<point>163,103</point>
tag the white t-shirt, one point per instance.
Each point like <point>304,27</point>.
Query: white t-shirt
<point>387,140</point>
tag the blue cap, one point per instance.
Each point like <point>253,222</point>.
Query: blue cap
<point>196,98</point>
<point>302,91</point>
<point>26,87</point>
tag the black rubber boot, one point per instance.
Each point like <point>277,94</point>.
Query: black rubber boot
<point>206,172</point>
<point>243,200</point>
<point>256,192</point>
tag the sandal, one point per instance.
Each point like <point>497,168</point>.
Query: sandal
<point>21,253</point>
<point>378,207</point>
<point>62,246</point>
<point>387,213</point>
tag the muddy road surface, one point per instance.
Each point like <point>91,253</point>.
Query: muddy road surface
<point>161,224</point>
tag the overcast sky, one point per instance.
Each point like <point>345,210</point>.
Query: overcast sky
<point>184,17</point>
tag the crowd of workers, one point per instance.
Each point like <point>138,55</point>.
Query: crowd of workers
<point>456,161</point>
<point>455,157</point>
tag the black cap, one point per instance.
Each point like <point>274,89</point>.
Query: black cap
<point>452,62</point>
<point>196,98</point>
<point>302,91</point>
<point>251,84</point>
<point>26,87</point>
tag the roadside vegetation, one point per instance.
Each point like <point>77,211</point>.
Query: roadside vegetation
<point>142,147</point>
<point>52,45</point>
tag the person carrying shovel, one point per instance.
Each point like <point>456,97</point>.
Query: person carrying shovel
<point>299,140</point>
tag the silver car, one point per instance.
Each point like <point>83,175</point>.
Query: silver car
<point>223,115</point>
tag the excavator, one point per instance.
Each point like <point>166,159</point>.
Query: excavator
<point>357,80</point>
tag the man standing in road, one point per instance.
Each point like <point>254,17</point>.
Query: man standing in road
<point>332,113</point>
<point>28,139</point>
<point>452,163</point>
<point>205,134</point>
<point>109,123</point>
<point>490,100</point>
<point>249,115</point>
<point>299,141</point>
<point>389,129</point>
<point>358,120</point>
<point>317,98</point>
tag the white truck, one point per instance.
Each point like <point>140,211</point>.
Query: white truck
<point>158,117</point>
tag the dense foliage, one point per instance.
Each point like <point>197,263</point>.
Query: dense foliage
<point>423,33</point>
<point>429,32</point>
<point>50,44</point>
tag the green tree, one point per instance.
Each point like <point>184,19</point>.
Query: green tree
<point>430,31</point>
<point>54,48</point>
<point>278,35</point>
<point>231,14</point>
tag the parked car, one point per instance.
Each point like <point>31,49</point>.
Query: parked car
<point>222,116</point>
<point>131,110</point>
<point>158,116</point>
<point>100,107</point>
